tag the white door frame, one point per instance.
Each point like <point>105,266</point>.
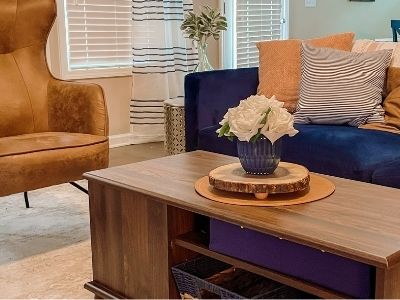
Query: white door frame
<point>228,41</point>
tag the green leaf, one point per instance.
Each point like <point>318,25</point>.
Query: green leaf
<point>208,23</point>
<point>224,130</point>
<point>255,137</point>
<point>264,120</point>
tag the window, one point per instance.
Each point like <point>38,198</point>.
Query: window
<point>96,38</point>
<point>251,21</point>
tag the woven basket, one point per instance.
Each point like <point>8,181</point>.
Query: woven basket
<point>205,278</point>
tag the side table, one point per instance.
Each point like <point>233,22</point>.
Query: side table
<point>174,126</point>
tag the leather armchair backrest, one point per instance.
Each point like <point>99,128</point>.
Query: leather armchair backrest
<point>24,75</point>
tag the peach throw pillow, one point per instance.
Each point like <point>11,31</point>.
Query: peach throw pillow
<point>362,46</point>
<point>279,68</point>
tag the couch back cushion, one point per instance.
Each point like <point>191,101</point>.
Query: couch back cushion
<point>279,67</point>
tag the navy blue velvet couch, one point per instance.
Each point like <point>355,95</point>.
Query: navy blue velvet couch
<point>359,154</point>
<point>343,151</point>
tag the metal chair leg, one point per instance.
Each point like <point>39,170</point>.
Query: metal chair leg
<point>81,188</point>
<point>26,199</point>
<point>72,183</point>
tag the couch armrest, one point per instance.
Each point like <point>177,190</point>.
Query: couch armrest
<point>208,95</point>
<point>77,107</point>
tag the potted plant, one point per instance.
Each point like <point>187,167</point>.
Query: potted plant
<point>258,123</point>
<point>199,28</point>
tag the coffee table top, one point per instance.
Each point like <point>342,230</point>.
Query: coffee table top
<point>360,221</point>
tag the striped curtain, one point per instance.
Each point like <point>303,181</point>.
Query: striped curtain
<point>161,59</point>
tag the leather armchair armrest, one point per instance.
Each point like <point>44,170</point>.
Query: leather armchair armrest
<point>77,107</point>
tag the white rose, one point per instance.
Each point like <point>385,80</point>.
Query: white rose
<point>279,123</point>
<point>222,123</point>
<point>260,103</point>
<point>279,120</point>
<point>244,122</point>
<point>273,102</point>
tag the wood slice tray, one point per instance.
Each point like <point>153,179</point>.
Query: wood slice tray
<point>287,178</point>
<point>319,188</point>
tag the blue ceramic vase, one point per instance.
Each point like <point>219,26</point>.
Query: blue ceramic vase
<point>261,157</point>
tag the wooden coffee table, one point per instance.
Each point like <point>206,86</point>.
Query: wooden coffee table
<point>142,223</point>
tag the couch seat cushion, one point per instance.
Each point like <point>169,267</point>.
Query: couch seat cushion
<point>388,174</point>
<point>37,160</point>
<point>342,151</point>
<point>209,141</point>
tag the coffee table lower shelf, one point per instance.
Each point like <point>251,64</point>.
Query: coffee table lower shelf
<point>101,292</point>
<point>193,242</point>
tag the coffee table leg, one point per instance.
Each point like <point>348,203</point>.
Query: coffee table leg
<point>129,243</point>
<point>132,243</point>
<point>388,283</point>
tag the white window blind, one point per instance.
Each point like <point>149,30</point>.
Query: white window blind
<point>98,33</point>
<point>256,20</point>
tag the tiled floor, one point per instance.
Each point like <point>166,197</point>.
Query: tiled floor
<point>45,250</point>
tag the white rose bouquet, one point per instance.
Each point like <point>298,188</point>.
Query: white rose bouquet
<point>257,116</point>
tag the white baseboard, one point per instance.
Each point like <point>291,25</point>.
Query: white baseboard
<point>120,140</point>
<point>126,139</point>
<point>142,139</point>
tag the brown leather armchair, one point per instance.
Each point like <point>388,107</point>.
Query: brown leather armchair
<point>51,131</point>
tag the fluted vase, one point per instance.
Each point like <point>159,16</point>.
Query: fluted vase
<point>261,157</point>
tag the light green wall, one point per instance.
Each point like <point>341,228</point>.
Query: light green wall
<point>367,19</point>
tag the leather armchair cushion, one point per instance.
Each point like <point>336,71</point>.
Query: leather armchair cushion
<point>37,160</point>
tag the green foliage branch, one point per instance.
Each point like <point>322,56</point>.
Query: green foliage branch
<point>207,23</point>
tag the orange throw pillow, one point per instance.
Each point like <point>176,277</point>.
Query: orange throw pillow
<point>391,104</point>
<point>393,79</point>
<point>392,108</point>
<point>279,69</point>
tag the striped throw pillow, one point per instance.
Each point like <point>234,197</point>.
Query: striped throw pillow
<point>339,87</point>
